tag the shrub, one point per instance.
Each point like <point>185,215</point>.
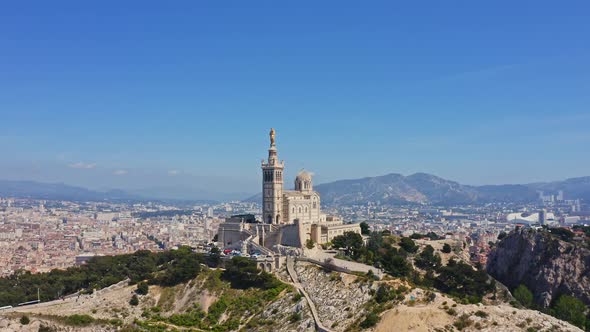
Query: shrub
<point>309,244</point>
<point>24,320</point>
<point>524,296</point>
<point>134,300</point>
<point>446,248</point>
<point>295,317</point>
<point>370,320</point>
<point>463,322</point>
<point>297,297</point>
<point>481,314</point>
<point>45,328</point>
<point>79,320</point>
<point>142,288</point>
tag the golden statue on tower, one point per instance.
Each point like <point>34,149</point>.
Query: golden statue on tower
<point>272,136</point>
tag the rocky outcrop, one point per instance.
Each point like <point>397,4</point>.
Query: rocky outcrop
<point>546,265</point>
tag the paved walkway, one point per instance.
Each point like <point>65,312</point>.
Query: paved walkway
<point>322,256</point>
<point>314,312</point>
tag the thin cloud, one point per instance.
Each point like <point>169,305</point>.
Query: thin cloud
<point>81,165</point>
<point>120,172</point>
<point>173,172</point>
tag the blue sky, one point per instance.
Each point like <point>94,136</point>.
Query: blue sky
<point>147,94</point>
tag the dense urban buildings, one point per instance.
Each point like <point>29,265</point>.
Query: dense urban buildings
<point>38,235</point>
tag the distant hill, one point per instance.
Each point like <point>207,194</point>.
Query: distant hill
<point>57,191</point>
<point>60,191</point>
<point>422,188</point>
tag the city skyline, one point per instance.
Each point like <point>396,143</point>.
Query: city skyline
<point>455,92</point>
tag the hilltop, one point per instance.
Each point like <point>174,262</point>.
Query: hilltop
<point>423,188</point>
<point>241,298</point>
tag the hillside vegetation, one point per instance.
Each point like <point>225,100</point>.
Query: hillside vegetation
<point>165,268</point>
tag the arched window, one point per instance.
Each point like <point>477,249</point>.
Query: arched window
<point>300,209</point>
<point>293,210</point>
<point>306,209</point>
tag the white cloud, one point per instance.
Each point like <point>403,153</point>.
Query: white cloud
<point>120,172</point>
<point>173,172</point>
<point>81,165</point>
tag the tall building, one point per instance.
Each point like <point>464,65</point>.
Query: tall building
<point>560,195</point>
<point>272,185</point>
<point>290,217</point>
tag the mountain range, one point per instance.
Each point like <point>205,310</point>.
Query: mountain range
<point>60,191</point>
<point>390,189</point>
<point>422,188</point>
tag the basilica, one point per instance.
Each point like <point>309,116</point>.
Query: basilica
<point>289,217</point>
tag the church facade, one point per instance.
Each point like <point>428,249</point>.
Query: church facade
<point>300,206</point>
<point>290,218</point>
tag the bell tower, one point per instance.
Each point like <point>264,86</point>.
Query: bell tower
<point>272,185</point>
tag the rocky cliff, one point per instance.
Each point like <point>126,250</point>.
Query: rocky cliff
<point>545,264</point>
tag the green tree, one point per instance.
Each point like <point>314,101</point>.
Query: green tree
<point>243,273</point>
<point>461,280</point>
<point>214,257</point>
<point>446,248</point>
<point>365,229</point>
<point>383,294</point>
<point>427,260</point>
<point>524,296</point>
<point>570,309</point>
<point>408,245</point>
<point>184,266</point>
<point>351,242</point>
<point>433,236</point>
<point>396,265</point>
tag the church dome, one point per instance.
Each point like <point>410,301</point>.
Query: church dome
<point>303,176</point>
<point>303,182</point>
